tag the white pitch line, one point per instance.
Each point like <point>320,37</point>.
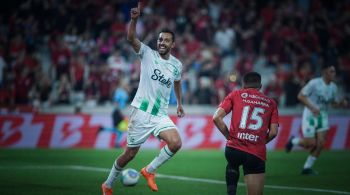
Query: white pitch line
<point>182,178</point>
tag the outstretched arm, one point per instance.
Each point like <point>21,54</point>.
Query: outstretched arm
<point>178,94</point>
<point>218,120</point>
<point>134,15</point>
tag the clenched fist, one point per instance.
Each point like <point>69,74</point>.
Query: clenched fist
<point>135,12</point>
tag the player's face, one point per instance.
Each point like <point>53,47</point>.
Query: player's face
<point>165,43</point>
<point>330,73</point>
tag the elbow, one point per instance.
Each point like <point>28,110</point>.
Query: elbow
<point>129,38</point>
<point>214,119</point>
<point>274,133</point>
<point>300,97</point>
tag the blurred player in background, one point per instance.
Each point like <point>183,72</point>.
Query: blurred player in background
<point>159,71</point>
<point>254,123</point>
<point>316,95</point>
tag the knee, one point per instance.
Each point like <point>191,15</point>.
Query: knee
<point>320,144</point>
<point>174,144</point>
<point>311,143</point>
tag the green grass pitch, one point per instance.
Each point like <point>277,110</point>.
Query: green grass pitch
<point>81,171</point>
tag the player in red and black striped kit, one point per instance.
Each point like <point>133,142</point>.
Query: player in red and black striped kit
<point>254,123</point>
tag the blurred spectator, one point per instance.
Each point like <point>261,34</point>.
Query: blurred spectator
<point>40,93</point>
<point>105,45</point>
<point>23,83</point>
<point>344,70</point>
<point>86,44</point>
<point>105,81</point>
<point>205,93</point>
<point>91,91</point>
<point>304,73</point>
<point>78,72</point>
<point>274,89</point>
<point>63,90</point>
<point>216,38</point>
<point>117,63</point>
<point>60,54</point>
<point>225,38</point>
<point>17,47</point>
<point>2,68</point>
<point>121,95</point>
<point>291,88</point>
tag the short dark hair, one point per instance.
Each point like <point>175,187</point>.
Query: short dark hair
<point>326,66</point>
<point>252,80</point>
<point>166,30</point>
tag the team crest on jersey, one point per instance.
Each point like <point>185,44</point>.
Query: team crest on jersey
<point>244,95</point>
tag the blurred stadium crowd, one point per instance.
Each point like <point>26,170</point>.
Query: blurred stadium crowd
<point>75,51</point>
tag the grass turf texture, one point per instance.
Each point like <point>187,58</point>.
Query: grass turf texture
<point>43,171</point>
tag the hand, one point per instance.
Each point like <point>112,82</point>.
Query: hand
<point>180,111</point>
<point>345,103</point>
<point>135,12</point>
<point>315,111</point>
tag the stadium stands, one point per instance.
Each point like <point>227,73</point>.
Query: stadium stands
<point>75,52</point>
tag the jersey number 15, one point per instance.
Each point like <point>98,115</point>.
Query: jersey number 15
<point>255,116</point>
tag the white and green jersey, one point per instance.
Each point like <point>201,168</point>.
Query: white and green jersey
<point>156,81</point>
<point>320,94</point>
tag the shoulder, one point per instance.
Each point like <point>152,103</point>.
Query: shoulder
<point>315,80</point>
<point>146,48</point>
<point>273,102</point>
<point>333,85</point>
<point>175,61</point>
<point>239,93</point>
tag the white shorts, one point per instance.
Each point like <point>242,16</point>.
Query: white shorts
<point>143,124</point>
<point>311,124</point>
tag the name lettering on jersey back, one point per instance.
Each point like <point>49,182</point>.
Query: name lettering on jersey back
<point>258,100</point>
<point>158,76</point>
<point>258,97</point>
<point>247,136</point>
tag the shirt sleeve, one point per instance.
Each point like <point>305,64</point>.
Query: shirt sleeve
<point>227,103</point>
<point>143,49</point>
<point>308,88</point>
<point>178,72</point>
<point>274,116</point>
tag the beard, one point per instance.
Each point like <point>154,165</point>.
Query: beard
<point>163,51</point>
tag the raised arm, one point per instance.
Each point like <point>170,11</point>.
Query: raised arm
<point>218,120</point>
<point>178,94</point>
<point>133,40</point>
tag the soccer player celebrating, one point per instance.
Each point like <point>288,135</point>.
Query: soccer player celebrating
<point>254,123</point>
<point>159,71</point>
<point>316,95</point>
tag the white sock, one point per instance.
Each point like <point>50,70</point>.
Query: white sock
<point>113,174</point>
<point>309,162</point>
<point>164,155</point>
<point>295,141</point>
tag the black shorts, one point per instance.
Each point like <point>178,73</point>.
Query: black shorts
<point>251,164</point>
